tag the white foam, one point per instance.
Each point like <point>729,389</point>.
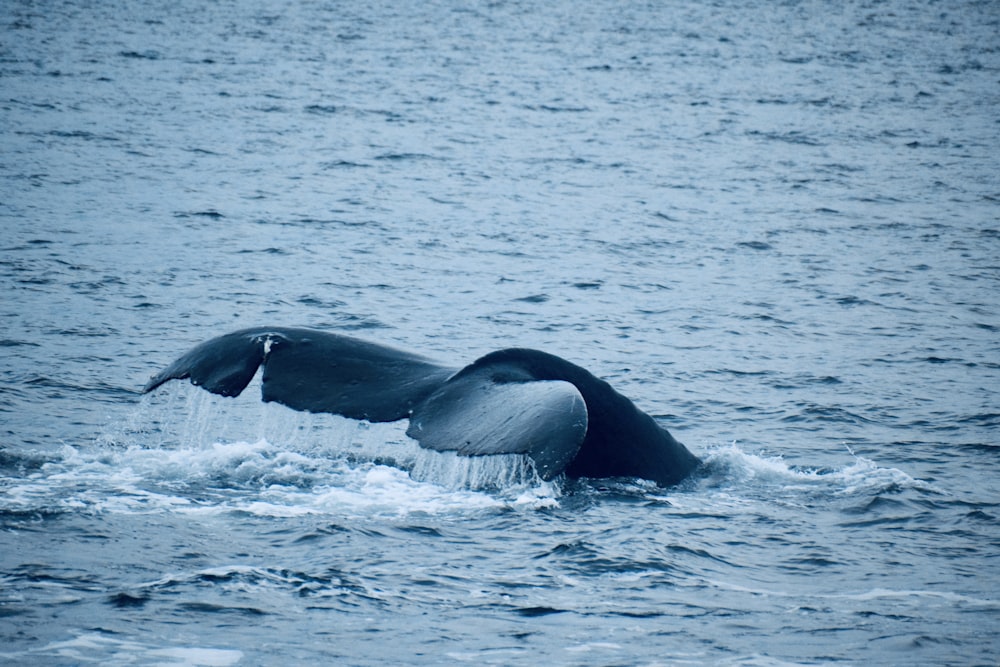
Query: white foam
<point>916,597</point>
<point>378,490</point>
<point>589,647</point>
<point>208,657</point>
<point>94,647</point>
<point>272,461</point>
<point>293,464</point>
<point>730,464</point>
<point>264,479</point>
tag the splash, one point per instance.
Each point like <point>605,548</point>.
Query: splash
<point>475,472</point>
<point>186,451</point>
<point>257,478</point>
<point>730,465</point>
<point>209,419</point>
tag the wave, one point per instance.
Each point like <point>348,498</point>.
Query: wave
<point>909,596</point>
<point>730,465</point>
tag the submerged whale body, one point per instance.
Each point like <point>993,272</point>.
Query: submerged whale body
<point>513,401</point>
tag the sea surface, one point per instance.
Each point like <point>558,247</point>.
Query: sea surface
<point>774,225</point>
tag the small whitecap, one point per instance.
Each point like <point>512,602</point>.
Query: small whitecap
<point>731,464</point>
<point>93,647</point>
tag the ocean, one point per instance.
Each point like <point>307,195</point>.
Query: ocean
<point>775,226</point>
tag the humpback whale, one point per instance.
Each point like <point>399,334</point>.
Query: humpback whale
<point>512,401</point>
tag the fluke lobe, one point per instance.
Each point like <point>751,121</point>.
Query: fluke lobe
<point>513,401</point>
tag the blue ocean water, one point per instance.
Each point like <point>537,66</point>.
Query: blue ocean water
<point>775,226</point>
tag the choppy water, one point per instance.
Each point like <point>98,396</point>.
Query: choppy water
<point>773,225</point>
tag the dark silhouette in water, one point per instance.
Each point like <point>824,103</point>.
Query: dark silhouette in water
<point>513,401</point>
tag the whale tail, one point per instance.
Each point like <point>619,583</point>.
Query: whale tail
<point>509,402</point>
<point>321,372</point>
<point>311,371</point>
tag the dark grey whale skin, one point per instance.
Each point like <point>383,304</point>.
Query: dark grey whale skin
<point>512,401</point>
